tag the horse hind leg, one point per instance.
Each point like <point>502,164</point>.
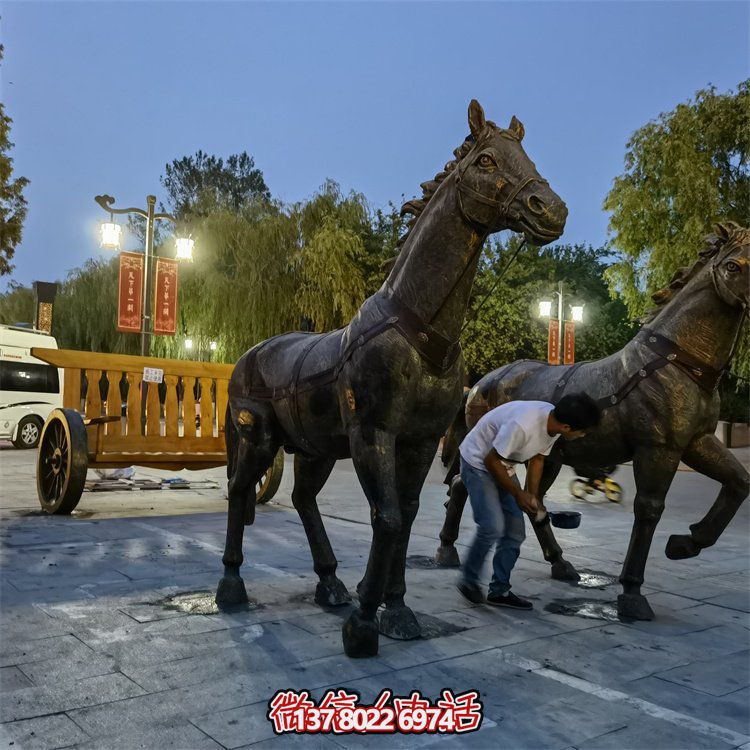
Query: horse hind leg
<point>707,455</point>
<point>447,554</point>
<point>310,474</point>
<point>653,468</point>
<point>253,451</point>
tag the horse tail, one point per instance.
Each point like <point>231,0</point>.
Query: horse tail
<point>453,438</point>
<point>230,438</point>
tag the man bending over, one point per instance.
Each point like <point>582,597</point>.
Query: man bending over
<point>516,432</point>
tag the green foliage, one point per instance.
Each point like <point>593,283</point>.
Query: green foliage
<point>506,326</point>
<point>12,202</point>
<point>85,310</point>
<point>683,172</point>
<point>17,304</point>
<point>200,180</point>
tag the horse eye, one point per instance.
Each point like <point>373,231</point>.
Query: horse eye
<point>486,161</point>
<point>733,267</point>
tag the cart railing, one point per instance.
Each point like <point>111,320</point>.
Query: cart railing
<point>176,424</point>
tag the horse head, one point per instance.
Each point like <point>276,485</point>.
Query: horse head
<point>730,268</point>
<point>499,187</point>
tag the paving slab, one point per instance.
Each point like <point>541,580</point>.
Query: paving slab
<point>110,639</point>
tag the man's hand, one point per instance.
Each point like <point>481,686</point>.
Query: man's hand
<point>527,502</point>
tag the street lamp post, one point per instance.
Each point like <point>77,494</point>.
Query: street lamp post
<point>110,238</point>
<point>576,316</point>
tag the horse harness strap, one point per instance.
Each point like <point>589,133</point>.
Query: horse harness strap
<point>435,348</point>
<point>668,353</point>
<point>705,376</point>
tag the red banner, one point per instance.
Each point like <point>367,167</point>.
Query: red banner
<point>165,297</point>
<point>553,342</point>
<point>569,346</point>
<point>130,293</point>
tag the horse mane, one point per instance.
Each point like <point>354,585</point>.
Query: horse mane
<point>416,206</point>
<point>726,236</point>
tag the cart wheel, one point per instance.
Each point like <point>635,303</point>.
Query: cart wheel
<point>270,481</point>
<point>578,488</point>
<point>61,462</point>
<point>612,491</point>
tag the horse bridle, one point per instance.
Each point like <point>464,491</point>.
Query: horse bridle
<point>503,205</point>
<point>482,231</point>
<point>720,285</point>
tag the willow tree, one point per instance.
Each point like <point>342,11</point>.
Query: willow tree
<point>17,304</point>
<point>683,172</point>
<point>85,314</point>
<point>264,268</point>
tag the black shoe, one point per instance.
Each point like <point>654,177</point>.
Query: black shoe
<point>471,593</point>
<point>509,600</point>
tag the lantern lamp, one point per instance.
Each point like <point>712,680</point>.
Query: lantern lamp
<point>545,308</point>
<point>110,235</point>
<point>184,248</point>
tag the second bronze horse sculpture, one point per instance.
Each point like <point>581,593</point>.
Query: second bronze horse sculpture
<point>383,389</point>
<point>660,406</point>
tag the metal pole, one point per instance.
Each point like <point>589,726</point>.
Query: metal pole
<point>560,323</point>
<point>148,255</point>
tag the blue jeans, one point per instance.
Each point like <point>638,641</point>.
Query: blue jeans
<point>500,524</point>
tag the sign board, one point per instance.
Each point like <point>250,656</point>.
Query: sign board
<point>130,293</point>
<point>569,345</point>
<point>153,375</point>
<point>165,297</point>
<point>553,342</point>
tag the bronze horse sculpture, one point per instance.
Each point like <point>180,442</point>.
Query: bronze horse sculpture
<point>660,407</point>
<point>383,389</point>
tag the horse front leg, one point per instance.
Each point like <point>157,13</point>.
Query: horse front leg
<point>373,454</point>
<point>653,469</point>
<point>709,456</point>
<point>412,464</point>
<point>562,570</point>
<point>447,555</point>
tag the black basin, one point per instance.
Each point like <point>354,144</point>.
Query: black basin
<point>565,519</point>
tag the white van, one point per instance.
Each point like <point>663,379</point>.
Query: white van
<point>29,388</point>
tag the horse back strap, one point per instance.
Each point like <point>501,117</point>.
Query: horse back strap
<point>563,382</point>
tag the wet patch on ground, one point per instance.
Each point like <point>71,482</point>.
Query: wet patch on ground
<point>422,562</point>
<point>200,603</point>
<point>594,579</point>
<point>434,627</point>
<point>590,608</point>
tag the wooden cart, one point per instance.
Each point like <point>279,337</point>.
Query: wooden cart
<point>176,424</point>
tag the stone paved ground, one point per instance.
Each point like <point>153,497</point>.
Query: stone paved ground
<point>94,656</point>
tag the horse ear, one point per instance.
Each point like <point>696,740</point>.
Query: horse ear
<point>516,127</point>
<point>476,118</point>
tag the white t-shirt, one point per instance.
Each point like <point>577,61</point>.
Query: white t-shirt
<point>516,430</point>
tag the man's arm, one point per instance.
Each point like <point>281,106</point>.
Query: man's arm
<point>534,474</point>
<point>526,501</point>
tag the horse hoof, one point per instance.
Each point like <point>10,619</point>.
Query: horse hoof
<point>399,623</point>
<point>231,591</point>
<point>681,546</point>
<point>634,607</point>
<point>360,636</point>
<point>562,570</point>
<point>331,593</point>
<point>447,556</point>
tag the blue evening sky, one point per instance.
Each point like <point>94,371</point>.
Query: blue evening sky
<point>371,94</point>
